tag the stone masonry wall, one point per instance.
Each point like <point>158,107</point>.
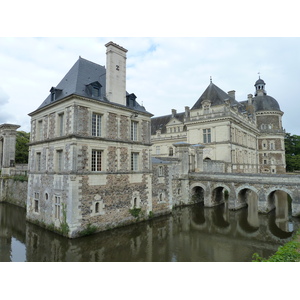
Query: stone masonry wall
<point>13,191</point>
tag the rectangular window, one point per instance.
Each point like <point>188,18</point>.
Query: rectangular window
<point>160,171</point>
<point>59,154</point>
<point>95,91</point>
<point>40,130</point>
<point>57,207</point>
<point>96,160</point>
<point>134,161</point>
<point>36,201</point>
<point>38,161</point>
<point>61,127</point>
<point>134,128</point>
<point>206,136</point>
<point>157,149</point>
<point>96,124</point>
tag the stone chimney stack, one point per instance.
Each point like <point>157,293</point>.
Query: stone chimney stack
<point>187,111</point>
<point>174,112</point>
<point>231,94</point>
<point>250,99</point>
<point>116,73</point>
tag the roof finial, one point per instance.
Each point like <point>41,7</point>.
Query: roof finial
<point>258,75</point>
<point>210,79</point>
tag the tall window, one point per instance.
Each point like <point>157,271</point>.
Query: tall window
<point>157,149</point>
<point>134,161</point>
<point>40,130</point>
<point>160,171</point>
<point>206,136</point>
<point>36,201</point>
<point>57,207</point>
<point>96,160</point>
<point>96,124</point>
<point>59,154</point>
<point>38,161</point>
<point>61,127</point>
<point>171,153</point>
<point>134,128</point>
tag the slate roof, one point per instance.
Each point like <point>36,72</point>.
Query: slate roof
<point>77,82</point>
<point>161,122</point>
<point>215,95</point>
<point>265,103</point>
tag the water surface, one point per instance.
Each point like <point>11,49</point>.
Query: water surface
<point>190,234</point>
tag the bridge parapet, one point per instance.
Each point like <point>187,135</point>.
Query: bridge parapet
<point>240,186</point>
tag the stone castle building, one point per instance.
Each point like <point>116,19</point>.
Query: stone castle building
<point>90,150</point>
<point>243,137</point>
<point>90,160</point>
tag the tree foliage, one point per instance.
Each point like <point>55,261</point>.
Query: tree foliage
<point>22,147</point>
<point>292,152</point>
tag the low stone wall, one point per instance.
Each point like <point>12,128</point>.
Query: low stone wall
<point>13,191</point>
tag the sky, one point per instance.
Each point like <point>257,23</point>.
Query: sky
<point>163,72</point>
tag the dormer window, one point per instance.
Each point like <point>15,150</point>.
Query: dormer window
<point>94,89</point>
<point>52,96</point>
<point>54,93</point>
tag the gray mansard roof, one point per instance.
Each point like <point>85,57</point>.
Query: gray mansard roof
<point>215,95</point>
<point>159,123</point>
<point>79,81</point>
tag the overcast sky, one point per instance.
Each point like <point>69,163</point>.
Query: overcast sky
<point>164,73</point>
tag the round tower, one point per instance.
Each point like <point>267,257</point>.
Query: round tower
<point>271,151</point>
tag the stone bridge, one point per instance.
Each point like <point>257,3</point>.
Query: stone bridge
<point>261,190</point>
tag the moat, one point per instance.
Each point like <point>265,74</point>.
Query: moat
<point>189,234</point>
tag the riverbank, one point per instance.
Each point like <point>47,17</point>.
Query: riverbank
<point>289,252</point>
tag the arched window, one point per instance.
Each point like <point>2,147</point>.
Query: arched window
<point>97,207</point>
<point>171,152</point>
<point>160,197</point>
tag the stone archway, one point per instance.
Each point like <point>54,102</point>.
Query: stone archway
<point>197,192</point>
<point>219,194</point>
<point>248,196</point>
<point>280,200</point>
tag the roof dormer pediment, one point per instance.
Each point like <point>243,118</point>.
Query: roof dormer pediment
<point>174,122</point>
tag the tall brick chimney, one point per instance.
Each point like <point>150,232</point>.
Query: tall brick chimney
<point>116,73</point>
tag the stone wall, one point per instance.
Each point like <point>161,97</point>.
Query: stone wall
<point>13,191</point>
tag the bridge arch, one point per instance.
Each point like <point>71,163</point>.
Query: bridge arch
<point>197,191</point>
<point>245,194</point>
<point>282,203</point>
<point>219,194</point>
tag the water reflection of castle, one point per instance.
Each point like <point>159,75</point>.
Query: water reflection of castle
<point>201,230</point>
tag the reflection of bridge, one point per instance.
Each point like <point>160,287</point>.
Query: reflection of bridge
<point>241,188</point>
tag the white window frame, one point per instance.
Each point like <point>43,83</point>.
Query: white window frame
<point>134,130</point>
<point>134,161</point>
<point>57,207</point>
<point>96,124</point>
<point>96,160</point>
<point>206,135</point>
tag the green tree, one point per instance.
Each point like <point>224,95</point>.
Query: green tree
<point>292,152</point>
<point>22,147</point>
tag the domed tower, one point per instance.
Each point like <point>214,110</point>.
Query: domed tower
<point>271,152</point>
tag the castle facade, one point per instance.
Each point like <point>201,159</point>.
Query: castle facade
<point>97,160</point>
